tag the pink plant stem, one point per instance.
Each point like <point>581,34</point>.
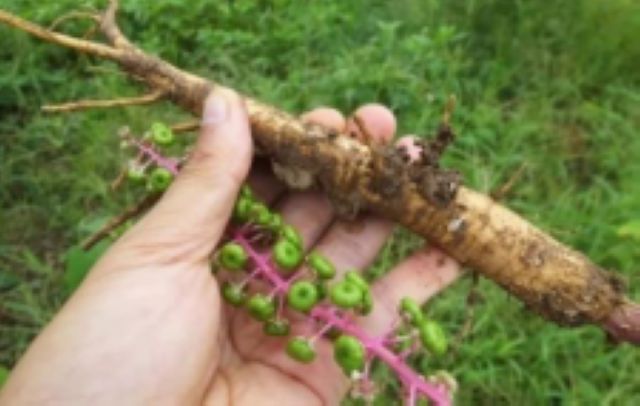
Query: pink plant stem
<point>249,278</point>
<point>245,229</point>
<point>167,163</point>
<point>411,399</point>
<point>367,368</point>
<point>397,321</point>
<point>280,307</point>
<point>322,331</point>
<point>255,238</point>
<point>262,262</point>
<point>296,276</point>
<point>395,340</point>
<point>407,376</point>
<point>405,354</point>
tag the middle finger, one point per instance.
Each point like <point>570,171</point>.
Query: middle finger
<point>352,244</point>
<point>310,211</point>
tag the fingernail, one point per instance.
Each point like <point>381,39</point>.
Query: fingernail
<point>215,109</point>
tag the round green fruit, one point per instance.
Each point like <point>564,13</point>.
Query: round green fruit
<point>300,349</point>
<point>245,191</point>
<point>291,234</point>
<point>162,135</point>
<point>159,180</point>
<point>261,307</point>
<point>135,174</point>
<point>433,337</point>
<point>302,296</point>
<point>367,303</point>
<point>242,209</point>
<point>232,256</point>
<point>410,309</point>
<point>276,223</point>
<point>233,294</point>
<point>278,327</point>
<point>357,279</point>
<point>323,290</point>
<point>345,295</point>
<point>321,266</point>
<point>349,353</point>
<point>260,214</point>
<point>287,255</point>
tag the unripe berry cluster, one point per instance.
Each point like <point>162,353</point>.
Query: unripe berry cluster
<point>262,266</point>
<point>261,247</point>
<point>150,168</point>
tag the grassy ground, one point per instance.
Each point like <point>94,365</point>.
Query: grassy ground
<point>552,85</point>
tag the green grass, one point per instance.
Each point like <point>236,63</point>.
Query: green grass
<point>553,85</point>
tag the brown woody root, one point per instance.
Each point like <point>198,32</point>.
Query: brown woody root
<point>550,278</point>
<point>95,104</point>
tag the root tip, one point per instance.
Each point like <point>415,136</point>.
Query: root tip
<point>623,325</point>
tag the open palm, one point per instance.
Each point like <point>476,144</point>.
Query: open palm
<point>148,326</point>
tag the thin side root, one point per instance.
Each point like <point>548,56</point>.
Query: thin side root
<point>74,15</point>
<point>117,221</point>
<point>185,127</point>
<point>503,191</point>
<point>99,104</point>
<point>119,180</point>
<point>80,45</point>
<point>110,28</point>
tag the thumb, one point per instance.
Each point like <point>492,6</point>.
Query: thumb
<point>194,211</point>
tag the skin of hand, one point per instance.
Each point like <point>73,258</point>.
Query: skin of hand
<point>147,326</point>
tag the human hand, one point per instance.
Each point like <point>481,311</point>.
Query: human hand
<point>147,326</point>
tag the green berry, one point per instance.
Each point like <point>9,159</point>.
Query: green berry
<point>302,296</point>
<point>323,289</point>
<point>405,339</point>
<point>233,294</point>
<point>433,337</point>
<point>357,279</point>
<point>159,180</point>
<point>242,209</point>
<point>276,223</point>
<point>349,353</point>
<point>345,295</point>
<point>162,135</point>
<point>367,303</point>
<point>232,256</point>
<point>279,327</point>
<point>333,333</point>
<point>245,191</point>
<point>135,174</point>
<point>410,309</point>
<point>261,307</point>
<point>287,255</point>
<point>260,214</point>
<point>300,349</point>
<point>291,234</point>
<point>321,266</point>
